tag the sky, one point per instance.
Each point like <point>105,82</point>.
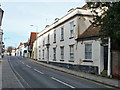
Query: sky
<point>18,16</point>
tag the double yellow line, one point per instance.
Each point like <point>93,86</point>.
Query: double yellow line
<point>19,75</point>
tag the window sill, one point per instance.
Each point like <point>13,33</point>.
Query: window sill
<point>87,60</point>
<point>62,40</point>
<point>54,59</point>
<point>54,42</point>
<point>61,60</point>
<point>71,61</point>
<point>71,37</point>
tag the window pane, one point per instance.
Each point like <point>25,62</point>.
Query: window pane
<point>71,52</point>
<point>62,33</point>
<point>62,53</point>
<point>54,53</point>
<point>71,29</point>
<point>88,51</point>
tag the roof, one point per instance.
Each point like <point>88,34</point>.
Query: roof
<point>1,15</point>
<point>33,36</point>
<point>85,6</point>
<point>91,31</point>
<point>68,16</point>
<point>25,44</point>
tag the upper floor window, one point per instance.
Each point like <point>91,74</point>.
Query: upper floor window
<point>62,33</point>
<point>88,51</point>
<point>71,29</point>
<point>54,35</point>
<point>48,38</point>
<point>43,42</point>
<point>71,52</point>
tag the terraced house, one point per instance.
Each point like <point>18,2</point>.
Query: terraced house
<point>72,42</point>
<point>1,32</point>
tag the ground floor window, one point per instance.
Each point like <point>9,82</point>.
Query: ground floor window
<point>72,52</point>
<point>62,52</point>
<point>39,54</point>
<point>43,53</point>
<point>54,53</point>
<point>88,51</point>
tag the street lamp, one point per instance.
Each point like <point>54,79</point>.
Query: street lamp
<point>36,38</point>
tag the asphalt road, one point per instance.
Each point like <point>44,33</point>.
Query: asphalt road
<point>33,75</point>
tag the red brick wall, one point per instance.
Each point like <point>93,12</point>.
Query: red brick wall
<point>116,64</point>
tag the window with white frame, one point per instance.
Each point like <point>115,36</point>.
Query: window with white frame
<point>62,52</point>
<point>72,29</point>
<point>88,51</point>
<point>39,54</point>
<point>54,35</point>
<point>62,33</point>
<point>54,53</point>
<point>71,52</point>
<point>48,38</point>
<point>43,42</point>
<point>43,53</point>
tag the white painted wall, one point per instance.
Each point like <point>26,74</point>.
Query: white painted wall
<point>81,24</point>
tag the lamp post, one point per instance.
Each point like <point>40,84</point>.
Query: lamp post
<point>36,39</point>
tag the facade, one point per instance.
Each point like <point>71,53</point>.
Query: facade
<point>30,44</point>
<point>34,51</point>
<point>58,43</point>
<point>72,42</point>
<point>20,50</point>
<point>13,53</point>
<point>1,33</point>
<point>25,51</point>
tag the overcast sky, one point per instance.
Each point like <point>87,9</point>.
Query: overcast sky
<point>18,16</point>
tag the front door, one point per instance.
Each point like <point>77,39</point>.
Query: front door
<point>105,57</point>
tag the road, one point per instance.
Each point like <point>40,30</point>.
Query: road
<point>33,75</point>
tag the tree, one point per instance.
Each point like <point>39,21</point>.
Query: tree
<point>109,22</point>
<point>9,50</point>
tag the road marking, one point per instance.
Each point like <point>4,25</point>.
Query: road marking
<point>15,75</point>
<point>23,63</point>
<point>62,82</point>
<point>28,66</point>
<point>38,71</point>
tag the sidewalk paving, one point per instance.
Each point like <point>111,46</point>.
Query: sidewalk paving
<point>112,82</point>
<point>9,80</point>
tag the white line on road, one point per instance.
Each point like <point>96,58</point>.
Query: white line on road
<point>28,66</point>
<point>62,82</point>
<point>38,71</point>
<point>23,63</point>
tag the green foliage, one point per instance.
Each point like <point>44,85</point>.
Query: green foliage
<point>109,22</point>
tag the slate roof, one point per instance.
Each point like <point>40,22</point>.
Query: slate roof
<point>1,16</point>
<point>91,31</point>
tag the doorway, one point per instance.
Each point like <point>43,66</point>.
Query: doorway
<point>105,57</point>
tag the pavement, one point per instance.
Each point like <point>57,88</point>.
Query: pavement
<point>9,79</point>
<point>97,78</point>
<point>0,75</point>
